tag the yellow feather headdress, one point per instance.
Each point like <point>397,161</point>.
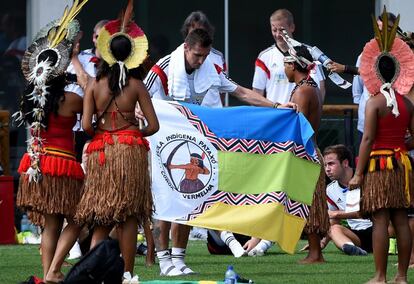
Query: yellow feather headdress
<point>124,26</point>
<point>46,58</point>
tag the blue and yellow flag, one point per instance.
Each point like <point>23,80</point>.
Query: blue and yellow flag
<point>248,170</point>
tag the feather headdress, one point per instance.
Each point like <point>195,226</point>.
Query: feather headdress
<point>387,49</point>
<point>123,27</point>
<point>46,58</point>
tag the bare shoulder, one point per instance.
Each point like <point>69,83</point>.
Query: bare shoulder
<point>377,103</point>
<point>70,103</point>
<point>377,100</point>
<point>307,93</point>
<point>72,98</point>
<point>138,86</point>
<point>135,83</point>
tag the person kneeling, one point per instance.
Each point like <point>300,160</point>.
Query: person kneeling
<point>357,239</point>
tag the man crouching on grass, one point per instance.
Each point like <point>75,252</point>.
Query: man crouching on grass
<point>357,239</point>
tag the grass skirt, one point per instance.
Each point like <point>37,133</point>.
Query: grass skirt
<point>51,195</point>
<point>318,219</point>
<point>388,183</point>
<point>59,190</point>
<point>117,183</point>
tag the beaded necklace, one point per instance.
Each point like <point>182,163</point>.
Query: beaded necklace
<point>305,81</point>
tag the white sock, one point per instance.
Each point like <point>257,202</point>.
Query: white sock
<point>128,279</point>
<point>177,255</point>
<point>235,247</point>
<point>166,266</point>
<point>263,245</point>
<point>260,248</point>
<point>75,251</point>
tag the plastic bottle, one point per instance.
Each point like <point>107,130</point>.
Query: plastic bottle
<point>318,55</point>
<point>34,229</point>
<point>24,224</point>
<point>230,277</point>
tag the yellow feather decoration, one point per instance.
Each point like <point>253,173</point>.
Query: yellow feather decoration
<point>371,167</point>
<point>68,16</point>
<point>385,37</point>
<point>389,163</point>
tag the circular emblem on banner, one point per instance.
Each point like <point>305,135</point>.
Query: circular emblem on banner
<point>188,166</point>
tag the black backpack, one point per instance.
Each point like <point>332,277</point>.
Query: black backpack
<point>102,264</point>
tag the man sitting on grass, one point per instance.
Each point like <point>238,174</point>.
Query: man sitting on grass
<point>357,239</point>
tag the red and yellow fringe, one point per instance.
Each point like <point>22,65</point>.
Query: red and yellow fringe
<point>388,181</point>
<point>387,160</point>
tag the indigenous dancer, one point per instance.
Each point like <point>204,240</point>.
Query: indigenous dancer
<point>384,170</point>
<point>117,188</point>
<point>306,94</point>
<point>51,179</point>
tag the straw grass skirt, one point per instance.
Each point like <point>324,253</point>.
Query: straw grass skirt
<point>388,182</point>
<point>57,192</point>
<point>117,183</point>
<point>318,219</point>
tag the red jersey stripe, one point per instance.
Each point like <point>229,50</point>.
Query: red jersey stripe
<point>330,201</point>
<point>259,63</point>
<point>163,77</point>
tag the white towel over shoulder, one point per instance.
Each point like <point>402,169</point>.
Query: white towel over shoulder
<point>204,78</point>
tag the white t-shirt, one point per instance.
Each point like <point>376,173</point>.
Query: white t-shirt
<point>156,85</point>
<point>217,58</point>
<point>89,67</point>
<point>361,95</point>
<point>269,75</point>
<point>336,197</point>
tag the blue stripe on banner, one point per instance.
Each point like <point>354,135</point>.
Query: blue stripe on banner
<point>260,123</point>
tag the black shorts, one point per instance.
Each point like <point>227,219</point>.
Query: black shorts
<point>216,246</point>
<point>365,236</point>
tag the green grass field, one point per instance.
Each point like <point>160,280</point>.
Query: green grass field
<point>18,262</point>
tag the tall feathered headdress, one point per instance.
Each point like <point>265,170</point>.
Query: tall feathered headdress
<point>46,58</point>
<point>387,49</point>
<point>123,27</point>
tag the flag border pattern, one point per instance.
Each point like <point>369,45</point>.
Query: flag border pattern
<point>245,145</point>
<point>292,207</point>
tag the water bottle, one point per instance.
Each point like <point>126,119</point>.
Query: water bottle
<point>24,224</point>
<point>318,55</point>
<point>230,277</point>
<point>34,229</point>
